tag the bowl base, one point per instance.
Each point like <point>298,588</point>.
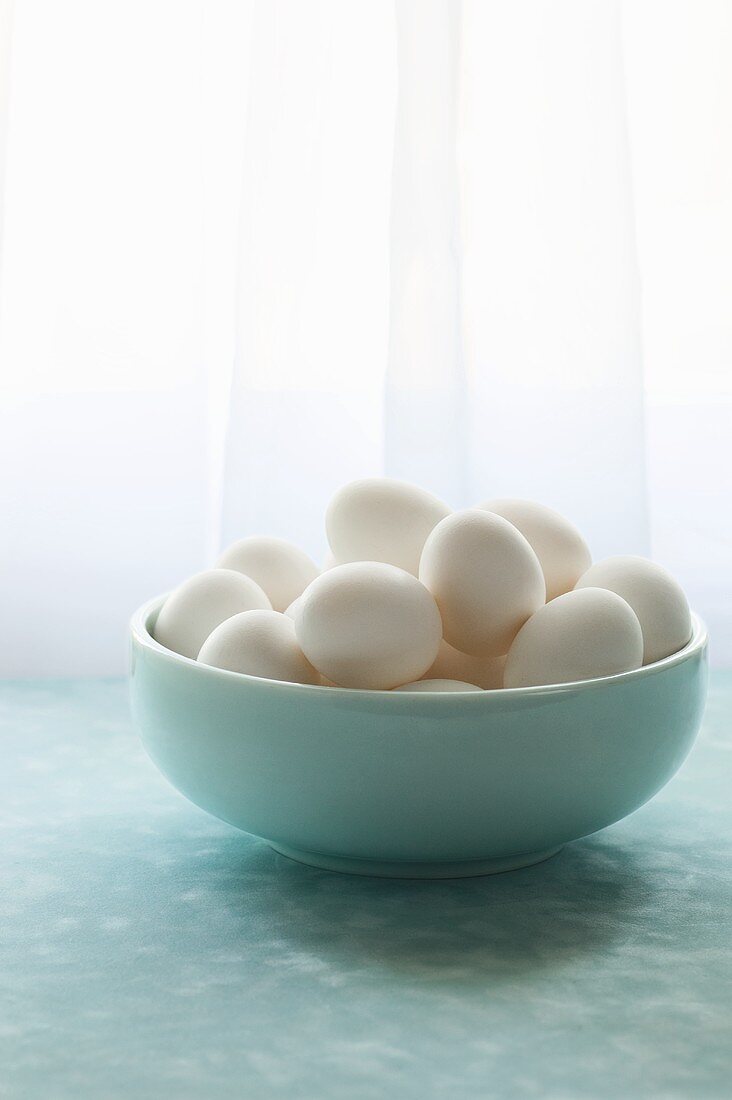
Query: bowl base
<point>464,868</point>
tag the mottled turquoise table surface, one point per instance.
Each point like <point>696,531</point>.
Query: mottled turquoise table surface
<point>147,950</point>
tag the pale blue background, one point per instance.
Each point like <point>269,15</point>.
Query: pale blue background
<point>147,950</point>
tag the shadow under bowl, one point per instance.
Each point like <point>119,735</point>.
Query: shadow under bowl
<point>429,785</point>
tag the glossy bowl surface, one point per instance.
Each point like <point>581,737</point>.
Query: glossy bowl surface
<point>415,785</point>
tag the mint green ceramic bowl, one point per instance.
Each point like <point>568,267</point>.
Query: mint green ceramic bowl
<point>424,785</point>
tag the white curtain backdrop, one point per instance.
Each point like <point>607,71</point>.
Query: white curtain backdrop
<point>253,250</point>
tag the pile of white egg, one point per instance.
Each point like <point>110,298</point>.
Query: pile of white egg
<point>416,597</point>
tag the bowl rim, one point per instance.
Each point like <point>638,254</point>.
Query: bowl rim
<point>142,635</point>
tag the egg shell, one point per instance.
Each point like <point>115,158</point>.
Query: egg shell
<point>281,570</point>
<point>379,519</point>
<point>451,664</point>
<point>656,597</point>
<point>438,685</point>
<point>562,552</point>
<point>200,603</point>
<point>485,578</point>
<point>368,625</point>
<point>578,636</point>
<point>259,643</point>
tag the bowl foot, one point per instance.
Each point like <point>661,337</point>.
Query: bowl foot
<point>464,868</point>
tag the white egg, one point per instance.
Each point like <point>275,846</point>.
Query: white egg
<point>379,519</point>
<point>368,625</point>
<point>438,685</point>
<point>198,605</point>
<point>578,636</point>
<point>562,552</point>
<point>451,664</point>
<point>282,570</point>
<point>260,643</point>
<point>657,599</point>
<point>485,578</point>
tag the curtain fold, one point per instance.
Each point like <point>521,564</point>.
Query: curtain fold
<point>515,364</point>
<point>6,32</point>
<point>254,250</point>
<point>550,271</point>
<point>426,396</point>
<point>313,296</point>
<point>103,388</point>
